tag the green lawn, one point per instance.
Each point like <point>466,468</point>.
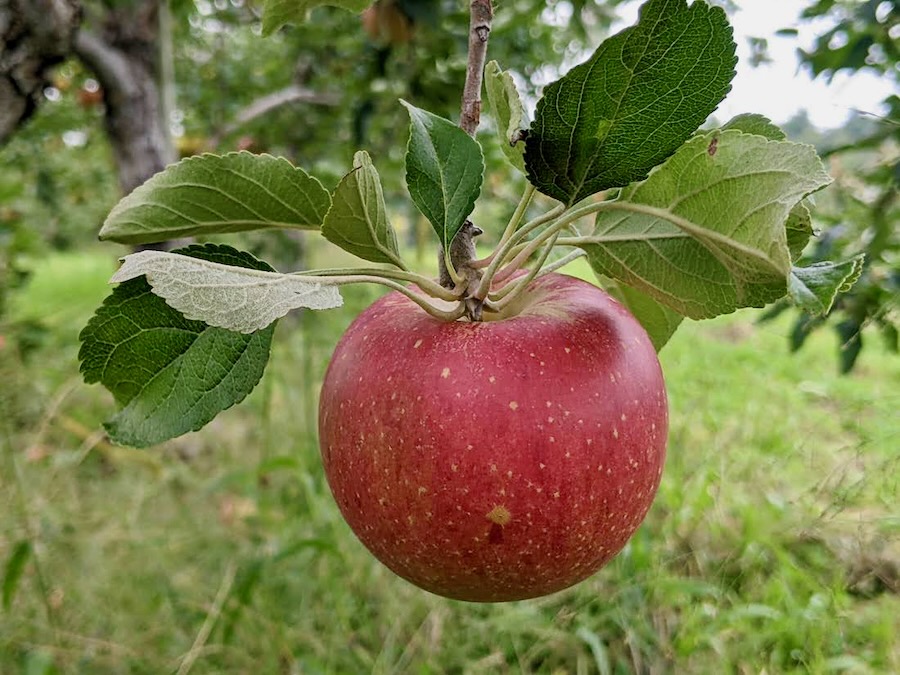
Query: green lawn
<point>773,545</point>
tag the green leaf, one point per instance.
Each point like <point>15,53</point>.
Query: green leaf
<point>889,334</point>
<point>704,234</point>
<point>850,333</point>
<point>799,222</point>
<point>659,321</point>
<point>276,13</point>
<point>170,374</point>
<point>218,194</point>
<point>754,123</point>
<point>802,329</point>
<point>508,112</point>
<point>222,295</point>
<point>798,229</point>
<point>645,90</point>
<point>12,573</point>
<point>814,288</point>
<point>357,221</point>
<point>444,170</point>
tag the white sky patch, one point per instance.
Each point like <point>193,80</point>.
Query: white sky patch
<point>781,88</point>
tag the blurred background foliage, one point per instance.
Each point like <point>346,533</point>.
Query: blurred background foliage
<point>860,212</point>
<point>319,91</point>
<point>773,544</point>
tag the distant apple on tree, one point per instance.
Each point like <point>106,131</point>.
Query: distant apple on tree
<point>498,432</point>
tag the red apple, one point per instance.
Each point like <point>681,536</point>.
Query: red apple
<point>499,460</point>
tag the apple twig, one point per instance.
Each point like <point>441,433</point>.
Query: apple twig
<point>481,16</point>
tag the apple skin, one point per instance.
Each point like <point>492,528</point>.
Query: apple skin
<point>500,460</point>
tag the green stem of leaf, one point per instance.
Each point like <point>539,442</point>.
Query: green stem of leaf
<point>562,262</point>
<point>429,286</point>
<point>504,250</point>
<point>422,301</point>
<point>510,292</point>
<point>518,214</point>
<point>522,256</point>
<point>511,226</point>
<point>596,207</point>
<point>459,281</point>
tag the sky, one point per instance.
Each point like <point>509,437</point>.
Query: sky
<point>779,89</point>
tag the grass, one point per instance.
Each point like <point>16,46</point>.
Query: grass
<point>773,545</point>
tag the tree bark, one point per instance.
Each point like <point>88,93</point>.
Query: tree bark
<point>35,35</point>
<point>124,56</point>
<point>481,17</point>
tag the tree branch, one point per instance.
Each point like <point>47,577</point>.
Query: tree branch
<point>293,93</point>
<point>482,14</point>
<point>107,63</point>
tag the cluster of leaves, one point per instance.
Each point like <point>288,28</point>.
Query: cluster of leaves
<point>699,223</point>
<point>858,220</point>
<point>863,36</point>
<point>860,217</point>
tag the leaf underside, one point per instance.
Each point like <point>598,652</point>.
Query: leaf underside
<point>169,374</point>
<point>508,111</point>
<point>798,226</point>
<point>444,170</point>
<point>705,234</point>
<point>224,295</point>
<point>218,194</point>
<point>610,120</point>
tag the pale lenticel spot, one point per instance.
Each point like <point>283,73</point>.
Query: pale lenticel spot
<point>513,405</point>
<point>499,515</point>
<point>445,373</point>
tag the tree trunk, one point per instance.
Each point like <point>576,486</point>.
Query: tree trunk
<point>35,35</point>
<point>124,56</point>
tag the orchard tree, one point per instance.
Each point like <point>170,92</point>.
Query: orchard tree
<point>124,43</point>
<point>496,431</point>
